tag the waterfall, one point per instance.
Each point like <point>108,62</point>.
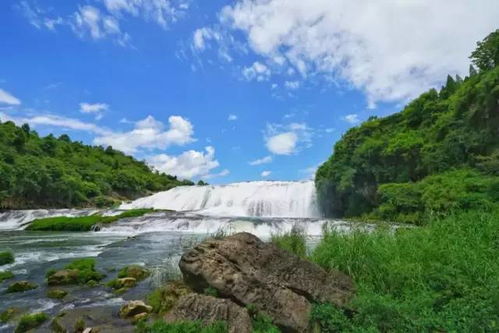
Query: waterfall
<point>259,199</point>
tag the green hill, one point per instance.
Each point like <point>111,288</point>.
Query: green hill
<point>57,172</point>
<point>439,154</point>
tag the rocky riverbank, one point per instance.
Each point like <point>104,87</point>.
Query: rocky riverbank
<point>231,282</point>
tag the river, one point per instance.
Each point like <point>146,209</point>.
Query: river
<point>155,240</point>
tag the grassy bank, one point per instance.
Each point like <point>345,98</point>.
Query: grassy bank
<point>82,223</point>
<point>440,278</point>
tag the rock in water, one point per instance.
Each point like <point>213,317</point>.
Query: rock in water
<point>133,308</point>
<point>249,271</point>
<point>208,309</point>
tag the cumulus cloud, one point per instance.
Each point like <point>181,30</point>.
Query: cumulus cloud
<point>287,139</point>
<point>257,71</point>
<point>150,133</point>
<point>232,117</point>
<point>263,160</point>
<point>8,98</point>
<point>283,143</point>
<point>265,173</point>
<point>189,164</point>
<point>391,50</point>
<point>351,118</point>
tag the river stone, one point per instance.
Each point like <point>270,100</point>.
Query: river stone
<point>208,309</point>
<point>273,280</point>
<point>102,319</point>
<point>63,277</point>
<point>21,286</point>
<point>127,282</point>
<point>133,308</point>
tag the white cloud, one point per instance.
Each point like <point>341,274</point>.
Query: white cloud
<point>162,12</point>
<point>282,144</point>
<point>58,121</point>
<point>90,21</point>
<point>232,117</point>
<point>292,85</point>
<point>263,160</point>
<point>36,17</point>
<point>189,164</point>
<point>351,118</point>
<point>101,20</point>
<point>265,173</point>
<point>201,36</point>
<point>149,133</point>
<point>392,50</point>
<point>8,98</point>
<point>257,71</point>
<point>287,139</point>
<point>96,108</point>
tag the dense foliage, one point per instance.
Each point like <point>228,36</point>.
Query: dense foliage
<point>439,278</point>
<point>440,152</point>
<point>57,172</point>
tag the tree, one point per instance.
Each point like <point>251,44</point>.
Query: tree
<point>486,55</point>
<point>473,71</point>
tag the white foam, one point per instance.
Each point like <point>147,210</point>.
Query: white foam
<point>261,198</point>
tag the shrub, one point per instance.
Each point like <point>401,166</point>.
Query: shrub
<point>86,270</point>
<point>29,322</point>
<point>164,298</point>
<point>6,257</point>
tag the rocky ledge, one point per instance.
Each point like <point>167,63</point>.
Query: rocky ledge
<point>247,272</point>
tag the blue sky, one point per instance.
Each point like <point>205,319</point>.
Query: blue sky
<point>226,90</point>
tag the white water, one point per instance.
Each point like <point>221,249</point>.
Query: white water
<point>261,198</point>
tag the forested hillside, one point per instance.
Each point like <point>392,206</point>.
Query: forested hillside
<point>441,153</point>
<point>57,172</point>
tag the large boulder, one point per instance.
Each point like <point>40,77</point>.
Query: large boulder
<point>208,310</point>
<point>276,282</point>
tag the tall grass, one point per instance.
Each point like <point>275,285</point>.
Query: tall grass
<point>293,241</point>
<point>443,277</point>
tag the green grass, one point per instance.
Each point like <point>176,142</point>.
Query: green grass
<point>182,327</point>
<point>6,257</point>
<point>294,242</point>
<point>29,322</point>
<point>442,277</point>
<point>164,298</point>
<point>6,275</point>
<point>85,269</point>
<point>81,223</point>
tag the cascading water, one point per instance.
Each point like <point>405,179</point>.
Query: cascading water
<point>259,199</point>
